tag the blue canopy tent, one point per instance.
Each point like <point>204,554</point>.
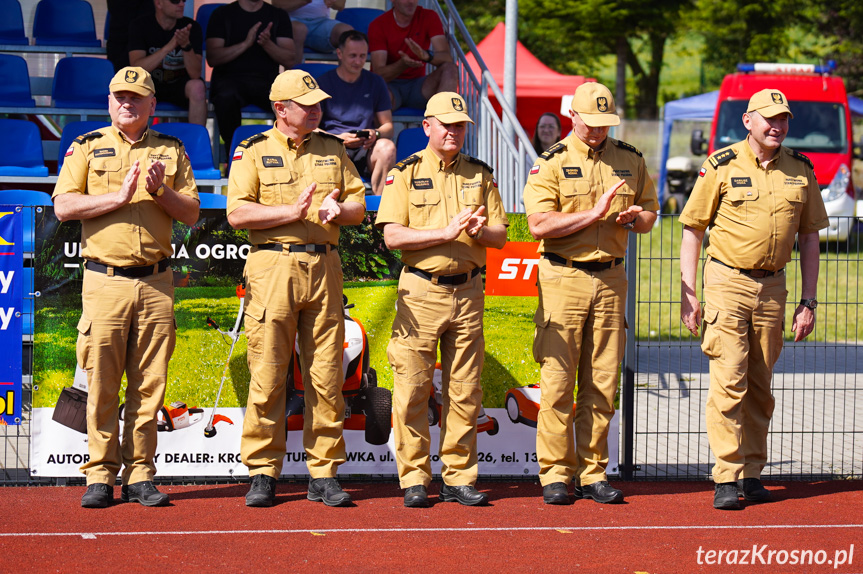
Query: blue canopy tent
<point>702,108</point>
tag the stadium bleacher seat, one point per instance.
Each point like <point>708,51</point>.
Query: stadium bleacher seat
<point>73,130</point>
<point>244,132</point>
<point>65,23</point>
<point>410,141</point>
<point>196,138</point>
<point>213,200</point>
<point>359,18</point>
<point>202,16</point>
<point>82,82</point>
<point>21,149</point>
<point>15,86</point>
<point>316,69</point>
<point>27,198</point>
<point>412,112</point>
<point>12,24</point>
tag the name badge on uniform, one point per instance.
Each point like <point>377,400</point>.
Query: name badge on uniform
<point>741,182</point>
<point>104,152</point>
<point>572,172</point>
<point>423,183</point>
<point>272,161</point>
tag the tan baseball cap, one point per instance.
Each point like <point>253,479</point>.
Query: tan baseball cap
<point>594,103</point>
<point>299,86</point>
<point>448,108</point>
<point>133,79</point>
<point>769,103</point>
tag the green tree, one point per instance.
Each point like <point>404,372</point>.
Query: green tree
<point>841,21</point>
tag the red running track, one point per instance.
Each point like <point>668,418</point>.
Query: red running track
<point>660,529</point>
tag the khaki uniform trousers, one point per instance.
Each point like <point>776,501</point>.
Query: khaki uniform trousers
<point>428,313</point>
<point>742,335</point>
<point>126,325</point>
<point>579,328</point>
<point>290,295</point>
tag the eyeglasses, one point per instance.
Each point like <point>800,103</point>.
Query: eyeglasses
<point>176,1</point>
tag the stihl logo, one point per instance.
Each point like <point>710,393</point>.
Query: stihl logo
<point>511,268</point>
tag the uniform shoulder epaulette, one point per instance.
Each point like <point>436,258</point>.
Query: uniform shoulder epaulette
<point>407,161</point>
<point>556,148</point>
<point>797,155</point>
<point>167,137</point>
<point>722,156</point>
<point>88,136</point>
<point>330,136</point>
<point>249,141</point>
<point>478,161</point>
<point>628,147</point>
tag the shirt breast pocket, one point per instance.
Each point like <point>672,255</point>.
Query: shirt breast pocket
<point>472,198</point>
<point>794,200</point>
<point>170,173</point>
<point>327,178</point>
<point>425,208</point>
<point>575,196</point>
<point>105,176</point>
<point>742,202</point>
<point>623,199</point>
<point>278,187</point>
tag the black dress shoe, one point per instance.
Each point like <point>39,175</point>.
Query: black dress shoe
<point>262,491</point>
<point>555,493</point>
<point>464,494</point>
<point>144,492</point>
<point>98,495</point>
<point>753,490</point>
<point>725,496</point>
<point>416,496</point>
<point>328,491</point>
<point>600,492</point>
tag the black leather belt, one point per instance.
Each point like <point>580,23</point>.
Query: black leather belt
<point>297,248</point>
<point>583,265</point>
<point>456,279</point>
<point>135,272</point>
<point>754,273</point>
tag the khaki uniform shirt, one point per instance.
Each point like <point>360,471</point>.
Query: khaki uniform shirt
<point>271,169</point>
<point>138,233</point>
<point>570,177</point>
<point>754,213</point>
<point>423,193</point>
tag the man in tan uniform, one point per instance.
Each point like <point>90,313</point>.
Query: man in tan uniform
<point>583,196</point>
<point>126,183</point>
<point>292,188</point>
<point>755,196</point>
<point>442,209</point>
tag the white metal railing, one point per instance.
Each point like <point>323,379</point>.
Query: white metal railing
<point>510,157</point>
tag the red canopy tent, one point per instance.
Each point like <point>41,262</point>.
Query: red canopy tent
<point>538,88</point>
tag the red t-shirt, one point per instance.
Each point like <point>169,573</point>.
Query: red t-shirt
<point>385,34</point>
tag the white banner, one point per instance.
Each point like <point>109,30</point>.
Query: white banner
<point>58,451</point>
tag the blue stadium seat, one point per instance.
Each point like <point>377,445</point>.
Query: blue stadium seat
<point>202,16</point>
<point>15,87</point>
<point>81,82</point>
<point>316,69</point>
<point>359,18</point>
<point>244,132</point>
<point>73,130</point>
<point>21,149</point>
<point>27,198</point>
<point>65,23</point>
<point>196,138</point>
<point>12,24</point>
<point>373,202</point>
<point>213,200</point>
<point>416,112</point>
<point>410,141</point>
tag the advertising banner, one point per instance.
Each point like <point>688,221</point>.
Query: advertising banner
<point>11,311</point>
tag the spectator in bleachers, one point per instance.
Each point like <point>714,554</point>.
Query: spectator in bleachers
<point>122,13</point>
<point>401,42</point>
<point>313,27</point>
<point>247,41</point>
<point>170,47</point>
<point>547,132</point>
<point>359,110</point>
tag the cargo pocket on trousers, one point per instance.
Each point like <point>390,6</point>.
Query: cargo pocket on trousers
<point>398,349</point>
<point>82,349</point>
<point>255,318</point>
<point>711,344</point>
<point>541,320</point>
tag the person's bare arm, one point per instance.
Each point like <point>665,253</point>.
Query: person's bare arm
<point>690,250</point>
<point>810,253</point>
<point>398,236</point>
<point>552,224</point>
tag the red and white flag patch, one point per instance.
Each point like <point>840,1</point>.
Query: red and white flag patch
<point>238,154</point>
<point>702,171</point>
<point>390,179</point>
<point>69,151</point>
<point>534,170</point>
<point>494,182</point>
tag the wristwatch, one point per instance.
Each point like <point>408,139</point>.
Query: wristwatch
<point>377,134</point>
<point>186,48</point>
<point>159,191</point>
<point>810,303</point>
<point>431,56</point>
